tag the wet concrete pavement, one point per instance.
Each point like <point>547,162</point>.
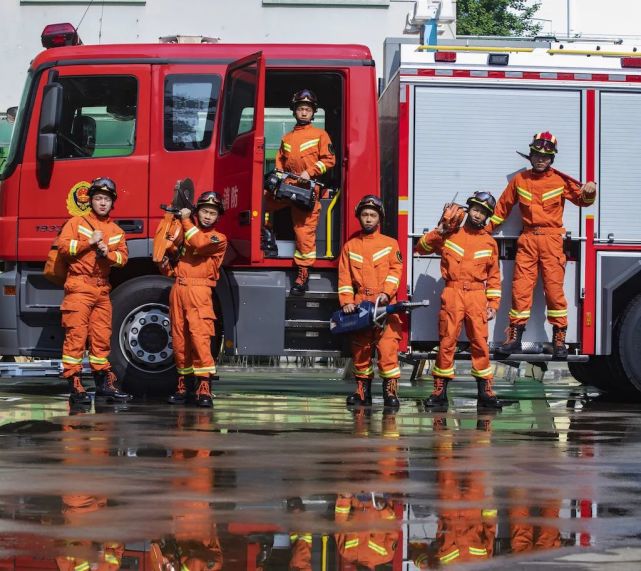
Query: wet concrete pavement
<point>281,476</point>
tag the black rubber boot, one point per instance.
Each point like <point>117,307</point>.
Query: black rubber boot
<point>438,399</point>
<point>363,394</point>
<point>203,393</point>
<point>486,397</point>
<point>390,393</point>
<point>180,396</point>
<point>106,387</point>
<point>513,341</point>
<point>558,342</point>
<point>268,243</point>
<point>78,396</point>
<point>301,284</point>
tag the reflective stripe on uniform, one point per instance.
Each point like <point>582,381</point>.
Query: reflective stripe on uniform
<point>85,231</point>
<point>552,194</point>
<point>309,144</point>
<point>71,360</point>
<point>115,239</point>
<point>482,254</point>
<point>450,556</point>
<point>189,234</point>
<point>73,247</point>
<point>118,258</point>
<point>201,371</point>
<point>309,256</point>
<point>321,166</point>
<point>381,253</point>
<point>351,543</point>
<point>454,247</point>
<point>496,219</point>
<point>356,257</point>
<point>363,372</point>
<point>557,312</point>
<point>392,373</point>
<point>287,147</point>
<point>185,371</point>
<point>519,314</point>
<point>482,373</point>
<point>426,247</point>
<point>478,551</point>
<point>377,548</point>
<point>98,360</point>
<point>436,371</point>
<point>392,280</point>
<point>342,510</point>
<point>490,293</point>
<point>524,193</point>
<point>346,289</point>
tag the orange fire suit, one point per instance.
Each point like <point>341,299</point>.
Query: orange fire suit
<point>365,544</point>
<point>304,148</point>
<point>301,557</point>
<point>371,264</point>
<point>109,559</point>
<point>526,536</point>
<point>190,301</point>
<point>541,198</point>
<point>86,307</point>
<point>470,268</point>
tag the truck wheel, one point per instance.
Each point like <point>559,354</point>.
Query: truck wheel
<point>597,372</point>
<point>141,349</point>
<point>628,343</point>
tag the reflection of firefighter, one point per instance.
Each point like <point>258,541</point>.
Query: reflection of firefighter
<point>525,536</point>
<point>92,245</point>
<point>306,151</point>
<point>370,269</point>
<point>109,558</point>
<point>190,302</point>
<point>541,193</point>
<point>366,545</point>
<point>466,528</point>
<point>472,293</point>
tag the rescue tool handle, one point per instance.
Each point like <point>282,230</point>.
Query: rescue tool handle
<point>406,306</point>
<point>300,178</point>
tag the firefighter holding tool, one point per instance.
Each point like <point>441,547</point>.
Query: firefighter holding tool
<point>541,193</point>
<point>305,151</point>
<point>190,302</point>
<point>471,296</point>
<point>91,245</point>
<point>370,269</point>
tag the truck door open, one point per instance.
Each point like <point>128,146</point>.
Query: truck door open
<point>238,169</point>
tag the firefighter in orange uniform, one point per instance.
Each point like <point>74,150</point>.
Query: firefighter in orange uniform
<point>525,536</point>
<point>472,293</point>
<point>366,545</point>
<point>306,151</point>
<point>92,245</point>
<point>370,269</point>
<point>190,302</point>
<point>541,193</point>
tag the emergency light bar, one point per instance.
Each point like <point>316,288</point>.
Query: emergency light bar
<point>631,62</point>
<point>58,35</point>
<point>449,57</point>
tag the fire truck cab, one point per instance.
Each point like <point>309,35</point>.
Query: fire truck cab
<point>145,116</point>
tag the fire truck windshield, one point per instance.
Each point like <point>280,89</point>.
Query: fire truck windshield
<point>10,134</point>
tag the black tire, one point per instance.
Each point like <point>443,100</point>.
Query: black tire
<point>147,297</point>
<point>598,372</point>
<point>627,344</point>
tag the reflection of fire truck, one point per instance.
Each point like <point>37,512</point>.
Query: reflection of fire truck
<point>450,121</point>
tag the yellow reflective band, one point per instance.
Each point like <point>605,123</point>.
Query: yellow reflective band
<point>363,372</point>
<point>519,314</point>
<point>85,231</point>
<point>73,247</point>
<point>321,166</point>
<point>479,552</point>
<point>307,538</point>
<point>118,259</point>
<point>309,144</point>
<point>356,257</point>
<point>442,372</point>
<point>524,193</point>
<point>450,556</point>
<point>351,543</point>
<point>287,147</point>
<point>557,312</point>
<point>189,234</point>
<point>376,547</point>
<point>346,289</point>
<point>393,280</point>
<point>309,256</point>
<point>492,293</point>
<point>552,194</point>
<point>293,537</point>
<point>482,254</point>
<point>496,219</point>
<point>109,558</point>
<point>426,247</point>
<point>82,566</point>
<point>381,253</point>
<point>395,372</point>
<point>482,373</point>
<point>71,360</point>
<point>98,360</point>
<point>489,513</point>
<point>204,370</point>
<point>185,371</point>
<point>454,247</point>
<point>344,510</point>
<point>115,239</point>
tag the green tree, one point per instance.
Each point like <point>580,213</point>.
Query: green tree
<point>496,18</point>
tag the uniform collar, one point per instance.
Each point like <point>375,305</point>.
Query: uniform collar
<point>298,127</point>
<point>546,173</point>
<point>371,236</point>
<point>97,218</point>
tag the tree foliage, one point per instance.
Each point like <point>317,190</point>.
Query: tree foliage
<point>496,18</point>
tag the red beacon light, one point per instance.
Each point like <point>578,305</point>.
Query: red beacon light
<point>59,35</point>
<point>445,57</point>
<point>631,62</point>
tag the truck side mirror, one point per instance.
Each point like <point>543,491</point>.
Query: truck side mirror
<point>50,117</point>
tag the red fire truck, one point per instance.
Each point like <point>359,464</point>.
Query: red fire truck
<point>451,119</point>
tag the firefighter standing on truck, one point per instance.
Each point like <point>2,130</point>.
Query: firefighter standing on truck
<point>190,302</point>
<point>541,193</point>
<point>92,245</point>
<point>306,151</point>
<point>472,294</point>
<point>370,269</point>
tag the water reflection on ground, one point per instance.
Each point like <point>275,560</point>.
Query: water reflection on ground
<point>299,482</point>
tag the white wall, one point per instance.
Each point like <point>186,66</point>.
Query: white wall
<point>231,20</point>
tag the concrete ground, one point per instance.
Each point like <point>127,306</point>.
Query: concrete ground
<point>550,481</point>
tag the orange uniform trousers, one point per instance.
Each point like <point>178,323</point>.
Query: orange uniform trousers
<point>86,313</point>
<point>192,326</point>
<point>461,305</point>
<point>301,555</point>
<point>305,223</point>
<point>538,250</point>
<point>527,537</point>
<point>386,343</point>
